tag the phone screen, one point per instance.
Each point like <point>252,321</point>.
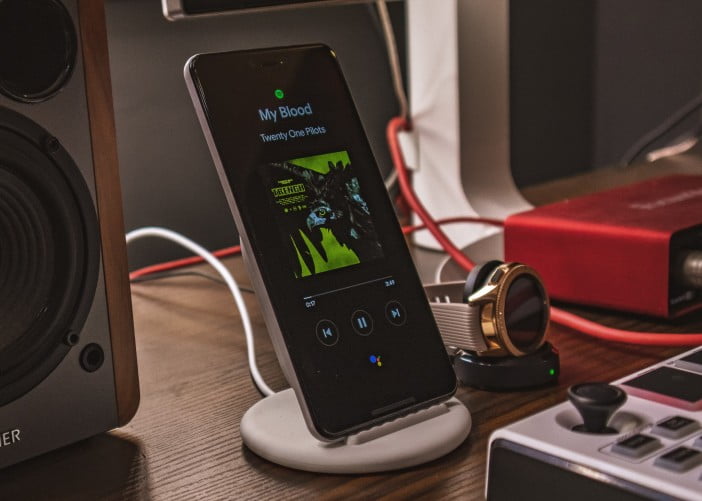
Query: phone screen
<point>309,196</point>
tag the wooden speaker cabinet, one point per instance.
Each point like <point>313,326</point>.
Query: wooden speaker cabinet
<point>67,356</point>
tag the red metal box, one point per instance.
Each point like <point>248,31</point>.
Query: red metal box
<point>615,248</point>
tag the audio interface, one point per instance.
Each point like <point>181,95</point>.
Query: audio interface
<point>635,248</point>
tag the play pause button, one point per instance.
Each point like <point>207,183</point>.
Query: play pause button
<point>327,332</point>
<point>362,322</point>
<point>395,313</point>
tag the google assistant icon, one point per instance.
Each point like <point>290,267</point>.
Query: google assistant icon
<point>375,360</point>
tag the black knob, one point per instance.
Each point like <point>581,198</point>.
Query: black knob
<point>596,402</point>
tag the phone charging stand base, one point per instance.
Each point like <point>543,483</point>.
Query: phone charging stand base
<point>275,429</point>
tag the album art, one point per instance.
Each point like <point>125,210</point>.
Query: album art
<point>320,211</point>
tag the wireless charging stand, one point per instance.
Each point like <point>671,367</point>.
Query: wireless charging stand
<point>275,429</point>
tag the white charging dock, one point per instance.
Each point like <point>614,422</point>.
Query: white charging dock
<point>275,429</point>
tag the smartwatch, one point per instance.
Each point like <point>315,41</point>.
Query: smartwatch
<point>502,309</point>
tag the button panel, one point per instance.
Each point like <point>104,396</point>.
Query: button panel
<point>659,440</point>
<point>656,453</point>
<point>376,313</point>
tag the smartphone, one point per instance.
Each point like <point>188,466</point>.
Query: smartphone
<point>341,297</point>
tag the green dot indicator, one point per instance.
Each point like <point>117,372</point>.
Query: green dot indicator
<point>552,372</point>
<point>279,94</point>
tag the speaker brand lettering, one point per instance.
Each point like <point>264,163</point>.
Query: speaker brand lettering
<point>272,115</point>
<point>9,437</point>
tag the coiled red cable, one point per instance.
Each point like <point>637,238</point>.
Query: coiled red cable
<point>558,316</point>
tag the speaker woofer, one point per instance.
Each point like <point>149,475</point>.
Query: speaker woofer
<point>37,48</point>
<point>49,253</point>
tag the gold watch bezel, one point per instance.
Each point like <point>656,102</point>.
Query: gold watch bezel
<point>491,299</point>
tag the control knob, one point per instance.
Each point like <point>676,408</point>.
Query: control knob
<point>596,402</point>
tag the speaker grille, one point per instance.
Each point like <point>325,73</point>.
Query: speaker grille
<point>37,48</point>
<point>49,254</point>
<point>26,258</point>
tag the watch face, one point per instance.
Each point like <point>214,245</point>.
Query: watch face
<point>323,236</point>
<point>525,312</point>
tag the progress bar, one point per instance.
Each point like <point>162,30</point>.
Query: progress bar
<point>375,280</point>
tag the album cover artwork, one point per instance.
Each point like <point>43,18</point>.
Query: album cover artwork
<point>319,208</point>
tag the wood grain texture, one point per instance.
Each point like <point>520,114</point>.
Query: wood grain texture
<point>184,441</point>
<point>93,33</point>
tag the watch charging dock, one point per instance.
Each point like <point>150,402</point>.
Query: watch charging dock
<point>274,429</point>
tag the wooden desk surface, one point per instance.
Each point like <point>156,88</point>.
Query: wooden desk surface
<point>184,441</point>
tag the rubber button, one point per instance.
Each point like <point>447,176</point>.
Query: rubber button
<point>680,459</point>
<point>675,427</point>
<point>637,446</point>
<point>692,362</point>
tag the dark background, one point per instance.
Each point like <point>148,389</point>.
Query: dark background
<point>167,174</point>
<point>588,78</point>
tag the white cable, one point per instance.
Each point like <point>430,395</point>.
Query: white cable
<point>391,180</point>
<point>153,231</point>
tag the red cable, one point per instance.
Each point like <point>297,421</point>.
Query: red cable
<point>179,263</point>
<point>559,316</point>
<point>396,124</point>
<point>451,220</point>
<point>600,331</point>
